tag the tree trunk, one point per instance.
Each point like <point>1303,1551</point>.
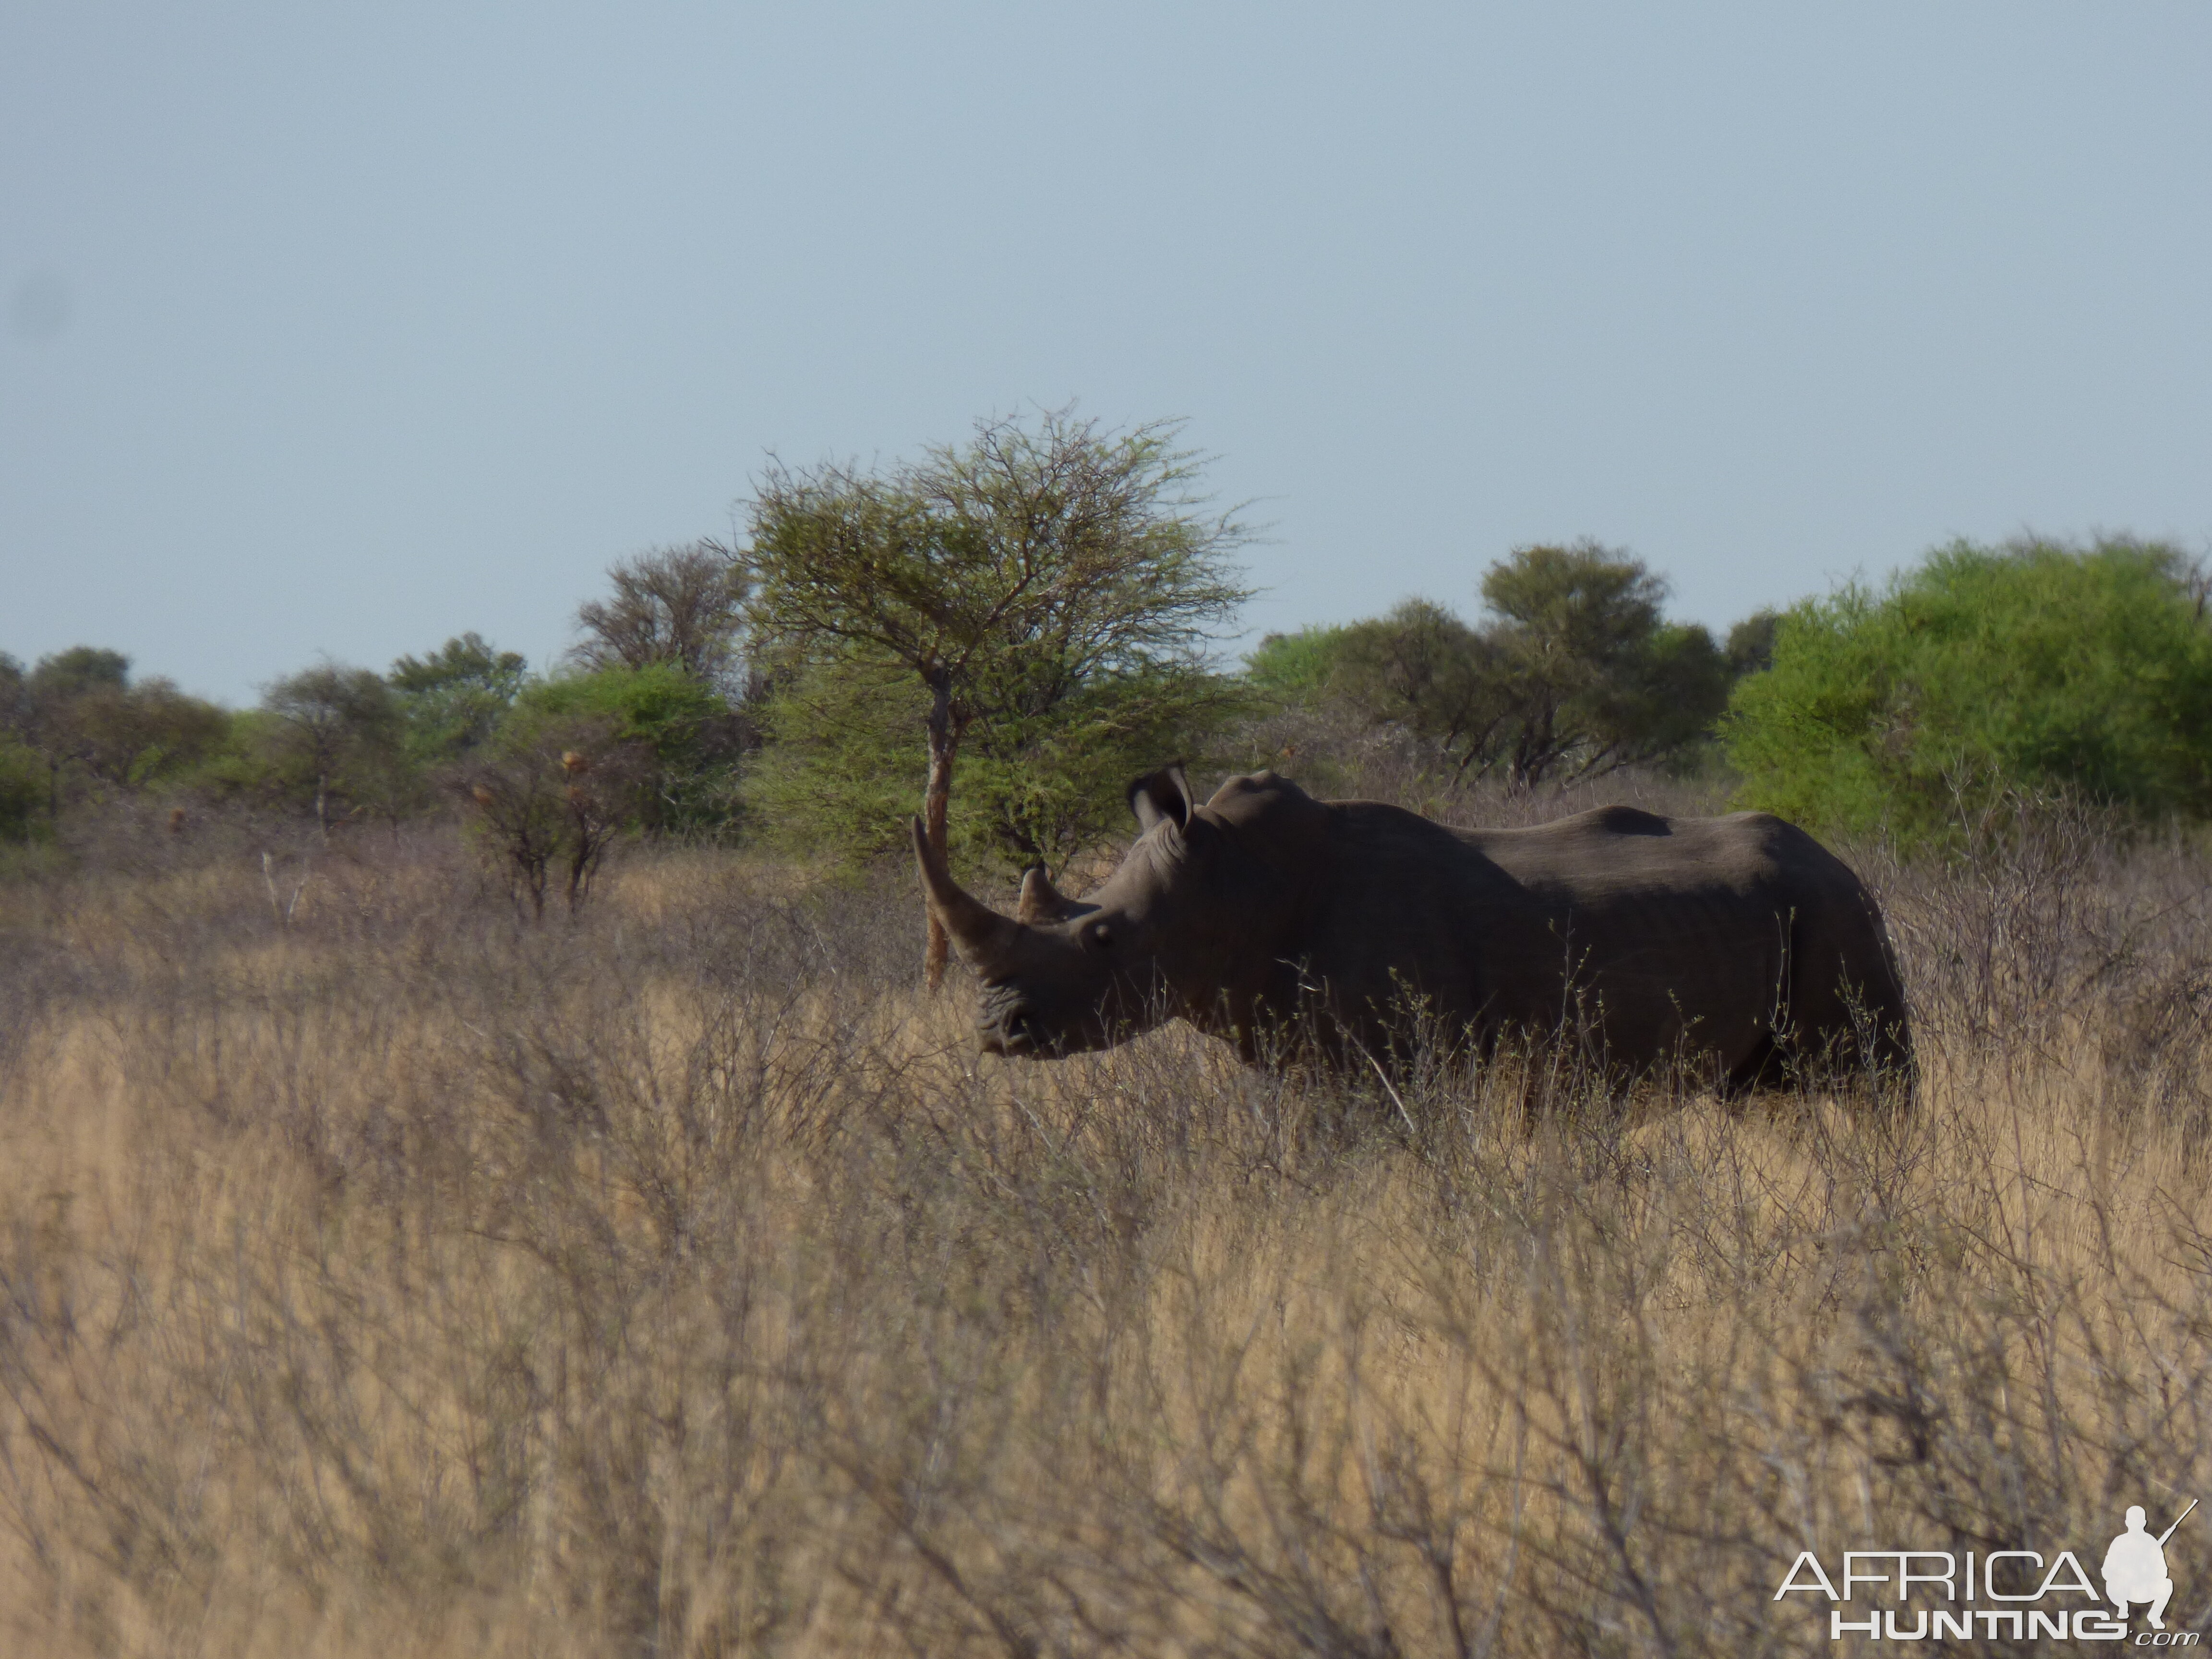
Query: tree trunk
<point>944,746</point>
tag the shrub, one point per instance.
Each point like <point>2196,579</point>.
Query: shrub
<point>1296,668</point>
<point>551,792</point>
<point>22,789</point>
<point>689,730</point>
<point>1575,673</point>
<point>2035,665</point>
<point>382,1277</point>
<point>451,700</point>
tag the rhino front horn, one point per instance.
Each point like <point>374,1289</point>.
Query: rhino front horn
<point>981,933</point>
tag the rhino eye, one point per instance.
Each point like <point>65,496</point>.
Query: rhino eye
<point>1101,935</point>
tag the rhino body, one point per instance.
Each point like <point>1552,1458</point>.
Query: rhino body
<point>1738,948</point>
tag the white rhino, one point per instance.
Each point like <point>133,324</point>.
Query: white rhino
<point>1738,947</point>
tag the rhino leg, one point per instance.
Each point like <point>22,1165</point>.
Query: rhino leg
<point>1767,1067</point>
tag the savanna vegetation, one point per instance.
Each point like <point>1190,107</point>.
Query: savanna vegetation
<point>1983,670</point>
<point>482,1174</point>
<point>382,1273</point>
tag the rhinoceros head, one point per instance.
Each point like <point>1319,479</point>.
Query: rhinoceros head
<point>1189,924</point>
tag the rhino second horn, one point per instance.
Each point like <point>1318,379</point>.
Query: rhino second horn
<point>1041,901</point>
<point>982,932</point>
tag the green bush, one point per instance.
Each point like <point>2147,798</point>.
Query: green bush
<point>324,740</point>
<point>838,774</point>
<point>452,700</point>
<point>692,735</point>
<point>1296,668</point>
<point>22,790</point>
<point>1575,672</point>
<point>246,763</point>
<point>2034,665</point>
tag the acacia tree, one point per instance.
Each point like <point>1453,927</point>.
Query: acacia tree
<point>674,605</point>
<point>49,702</point>
<point>452,700</point>
<point>337,728</point>
<point>127,735</point>
<point>1007,576</point>
<point>1571,675</point>
<point>79,709</point>
<point>1429,672</point>
<point>1574,673</point>
<point>1594,677</point>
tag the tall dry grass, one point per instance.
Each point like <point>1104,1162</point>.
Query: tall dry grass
<point>380,1276</point>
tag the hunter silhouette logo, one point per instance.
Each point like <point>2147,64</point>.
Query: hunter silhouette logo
<point>2017,1595</point>
<point>2135,1567</point>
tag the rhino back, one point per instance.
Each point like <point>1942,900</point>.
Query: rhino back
<point>1663,934</point>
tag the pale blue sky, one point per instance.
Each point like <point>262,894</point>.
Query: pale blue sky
<point>343,328</point>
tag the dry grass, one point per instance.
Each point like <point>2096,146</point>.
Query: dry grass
<point>386,1278</point>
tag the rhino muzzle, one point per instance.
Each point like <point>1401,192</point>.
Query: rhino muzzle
<point>1012,1023</point>
<point>1013,1028</point>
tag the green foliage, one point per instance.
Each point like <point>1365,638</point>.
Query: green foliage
<point>79,669</point>
<point>1065,541</point>
<point>87,727</point>
<point>136,736</point>
<point>1032,606</point>
<point>1422,668</point>
<point>838,772</point>
<point>1669,692</point>
<point>452,700</point>
<point>1296,668</point>
<point>22,789</point>
<point>331,741</point>
<point>246,763</point>
<point>691,741</point>
<point>1750,648</point>
<point>1051,779</point>
<point>554,787</point>
<point>1040,783</point>
<point>1575,673</point>
<point>22,773</point>
<point>1591,677</point>
<point>2035,664</point>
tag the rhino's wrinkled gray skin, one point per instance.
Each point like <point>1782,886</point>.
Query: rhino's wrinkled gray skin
<point>1739,946</point>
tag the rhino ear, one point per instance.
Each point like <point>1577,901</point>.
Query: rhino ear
<point>1162,794</point>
